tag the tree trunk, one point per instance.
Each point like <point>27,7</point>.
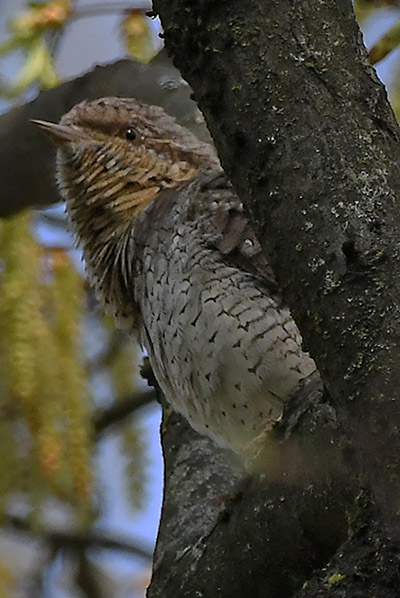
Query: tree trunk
<point>305,132</point>
<point>226,535</point>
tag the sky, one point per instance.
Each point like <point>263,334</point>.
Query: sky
<point>78,52</point>
<point>82,46</point>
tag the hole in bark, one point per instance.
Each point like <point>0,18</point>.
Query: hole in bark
<point>349,250</point>
<point>240,139</point>
<point>224,517</point>
<point>375,226</point>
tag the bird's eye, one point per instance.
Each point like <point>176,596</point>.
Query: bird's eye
<point>130,133</point>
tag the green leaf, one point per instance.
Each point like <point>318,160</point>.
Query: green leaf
<point>38,67</point>
<point>138,37</point>
<point>8,46</point>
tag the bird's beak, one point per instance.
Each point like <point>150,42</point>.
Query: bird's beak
<point>59,134</point>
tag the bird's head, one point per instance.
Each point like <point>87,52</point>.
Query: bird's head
<point>114,157</point>
<point>117,154</point>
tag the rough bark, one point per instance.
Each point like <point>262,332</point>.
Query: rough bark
<point>304,130</point>
<point>226,535</point>
<point>26,156</point>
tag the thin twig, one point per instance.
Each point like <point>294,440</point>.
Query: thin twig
<point>79,540</point>
<point>103,420</point>
<point>105,356</point>
<point>106,9</point>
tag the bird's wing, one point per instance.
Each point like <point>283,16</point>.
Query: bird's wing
<point>209,201</point>
<point>228,229</point>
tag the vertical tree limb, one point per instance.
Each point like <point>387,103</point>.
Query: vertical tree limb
<point>305,132</point>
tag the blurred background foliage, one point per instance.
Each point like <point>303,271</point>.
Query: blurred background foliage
<point>55,346</point>
<point>60,356</point>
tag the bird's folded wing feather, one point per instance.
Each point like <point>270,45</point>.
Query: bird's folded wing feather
<point>229,229</point>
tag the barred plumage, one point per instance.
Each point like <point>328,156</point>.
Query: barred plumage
<point>169,249</point>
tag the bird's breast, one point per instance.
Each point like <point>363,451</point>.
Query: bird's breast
<point>224,353</point>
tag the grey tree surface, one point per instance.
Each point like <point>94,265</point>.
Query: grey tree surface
<point>305,132</point>
<point>223,534</point>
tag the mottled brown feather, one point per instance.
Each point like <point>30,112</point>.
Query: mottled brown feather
<point>170,250</point>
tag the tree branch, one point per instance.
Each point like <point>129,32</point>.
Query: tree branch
<point>228,536</point>
<point>119,411</point>
<point>305,132</point>
<point>78,540</point>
